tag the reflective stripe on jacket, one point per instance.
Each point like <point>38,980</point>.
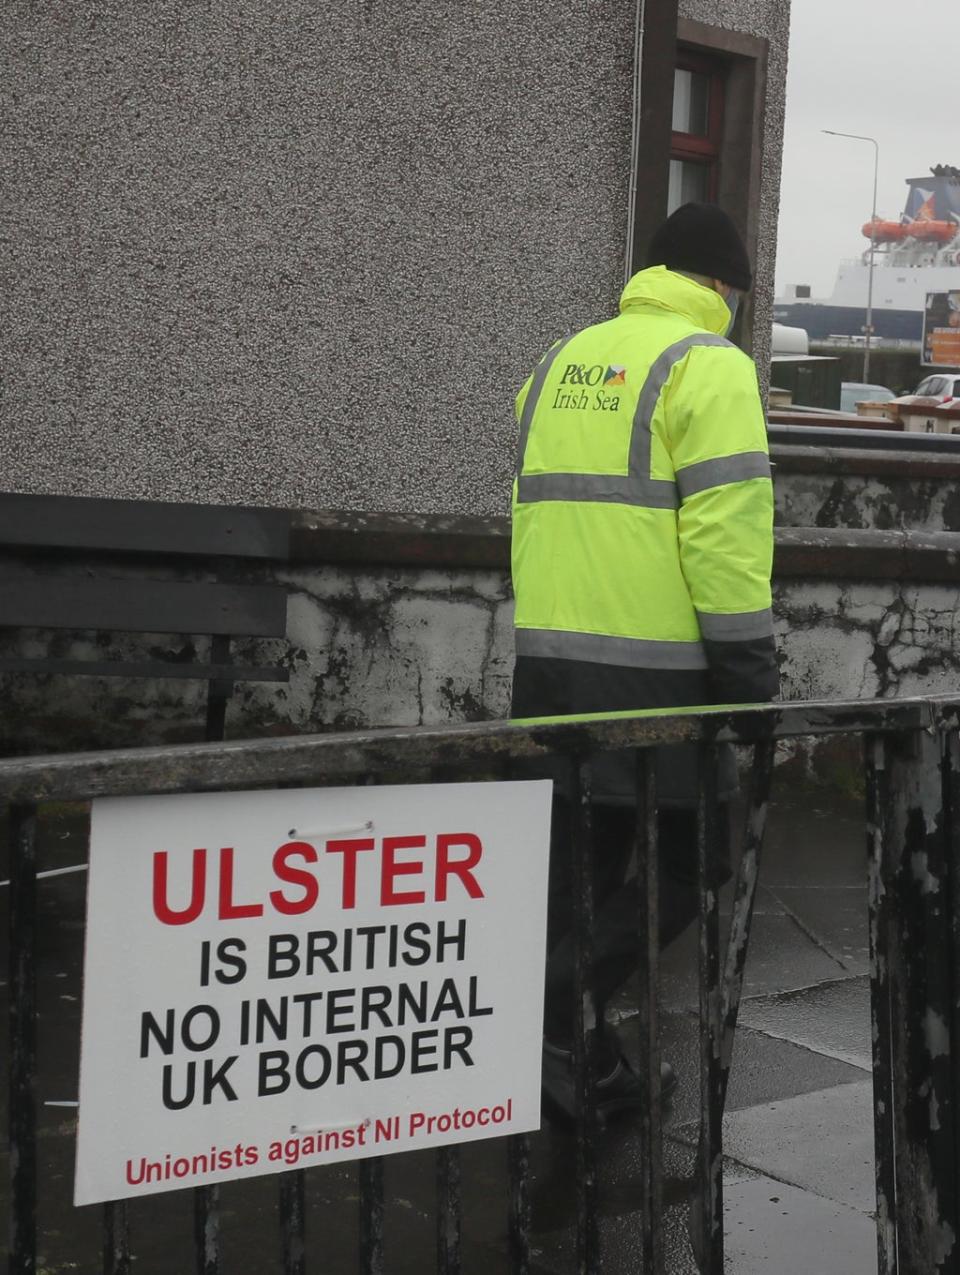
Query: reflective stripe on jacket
<point>643,507</point>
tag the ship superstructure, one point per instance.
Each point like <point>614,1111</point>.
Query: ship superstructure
<point>918,254</point>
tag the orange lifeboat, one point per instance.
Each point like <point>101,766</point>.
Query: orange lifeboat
<point>934,231</point>
<point>884,231</point>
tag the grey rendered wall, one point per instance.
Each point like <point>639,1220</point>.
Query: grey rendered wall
<point>300,253</point>
<point>771,20</point>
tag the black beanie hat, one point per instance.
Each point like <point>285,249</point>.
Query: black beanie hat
<point>701,239</point>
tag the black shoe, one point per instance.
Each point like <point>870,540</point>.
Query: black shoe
<point>617,1090</point>
<point>620,1089</point>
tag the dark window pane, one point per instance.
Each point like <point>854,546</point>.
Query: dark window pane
<point>691,92</point>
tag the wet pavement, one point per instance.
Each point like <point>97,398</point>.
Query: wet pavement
<point>797,1134</point>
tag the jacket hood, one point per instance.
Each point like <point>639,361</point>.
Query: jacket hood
<point>664,289</point>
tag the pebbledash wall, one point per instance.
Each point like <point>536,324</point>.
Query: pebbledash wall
<point>303,254</point>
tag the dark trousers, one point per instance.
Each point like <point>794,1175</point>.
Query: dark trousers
<point>619,910</point>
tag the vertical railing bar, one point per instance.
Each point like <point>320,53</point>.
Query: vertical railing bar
<point>952,833</point>
<point>941,999</point>
<point>745,893</point>
<point>293,1223</point>
<point>448,1211</point>
<point>219,690</point>
<point>584,1034</point>
<point>206,1199</point>
<point>710,1150</point>
<point>116,1238</point>
<point>648,971</point>
<point>518,1171</point>
<point>370,1176</point>
<point>879,885</point>
<point>447,1162</point>
<point>921,1000</point>
<point>518,1160</point>
<point>23,1040</point>
<point>371,1216</point>
<point>206,1222</point>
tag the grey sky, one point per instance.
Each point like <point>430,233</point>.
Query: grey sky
<point>886,69</point>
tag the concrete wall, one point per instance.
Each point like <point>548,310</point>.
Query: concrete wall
<point>824,500</point>
<point>867,639</point>
<point>405,620</point>
<point>304,255</point>
<point>379,646</point>
<point>882,490</point>
<point>398,646</point>
<point>395,620</point>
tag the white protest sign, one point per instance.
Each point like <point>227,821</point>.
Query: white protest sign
<point>280,979</point>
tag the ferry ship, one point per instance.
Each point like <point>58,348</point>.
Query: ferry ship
<point>918,254</point>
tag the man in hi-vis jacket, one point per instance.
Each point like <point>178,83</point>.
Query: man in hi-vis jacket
<point>642,548</point>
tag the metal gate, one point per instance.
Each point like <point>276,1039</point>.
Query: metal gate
<point>912,776</point>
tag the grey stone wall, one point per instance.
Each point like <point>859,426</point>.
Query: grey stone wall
<point>401,646</point>
<point>867,502</point>
<point>869,606</point>
<point>867,639</point>
<point>365,647</point>
<point>303,254</point>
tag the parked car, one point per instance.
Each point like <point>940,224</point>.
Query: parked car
<point>944,386</point>
<point>854,392</point>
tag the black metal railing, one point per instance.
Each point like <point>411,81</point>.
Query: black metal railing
<point>912,773</point>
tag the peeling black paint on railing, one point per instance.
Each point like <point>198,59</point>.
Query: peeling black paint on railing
<point>709,1216</point>
<point>23,1041</point>
<point>206,1217</point>
<point>879,908</point>
<point>116,1239</point>
<point>913,838</point>
<point>448,1211</point>
<point>293,1228</point>
<point>371,1216</point>
<point>585,1035</point>
<point>648,978</point>
<point>921,995</point>
<point>518,1235</point>
<point>745,893</point>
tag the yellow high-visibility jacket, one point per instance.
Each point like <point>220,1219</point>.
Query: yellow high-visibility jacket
<point>643,506</point>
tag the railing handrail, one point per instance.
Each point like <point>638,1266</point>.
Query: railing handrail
<point>827,435</point>
<point>315,758</point>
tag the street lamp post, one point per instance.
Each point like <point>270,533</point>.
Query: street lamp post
<point>873,243</point>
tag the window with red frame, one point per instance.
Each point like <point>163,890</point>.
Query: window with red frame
<point>697,130</point>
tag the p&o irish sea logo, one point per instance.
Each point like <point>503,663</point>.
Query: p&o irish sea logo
<point>599,377</point>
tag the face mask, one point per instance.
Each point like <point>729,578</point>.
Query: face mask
<point>733,304</point>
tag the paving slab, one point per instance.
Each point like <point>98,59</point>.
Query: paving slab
<point>553,1241</point>
<point>837,917</point>
<point>815,837</point>
<point>821,1141</point>
<point>776,1229</point>
<point>763,1069</point>
<point>832,1018</point>
<point>781,957</point>
<point>553,1198</point>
